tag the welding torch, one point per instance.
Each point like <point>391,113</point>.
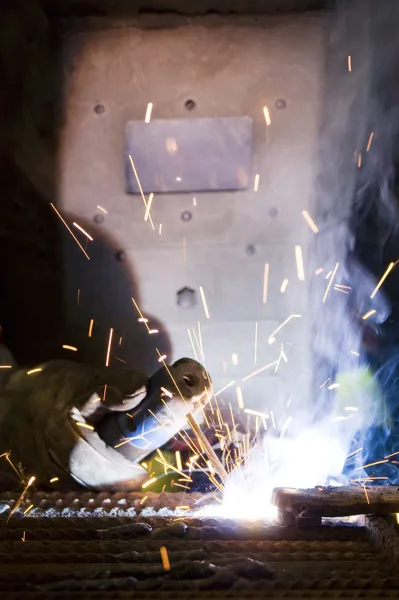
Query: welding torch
<point>173,393</point>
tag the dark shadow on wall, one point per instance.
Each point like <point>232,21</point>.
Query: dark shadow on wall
<point>101,289</point>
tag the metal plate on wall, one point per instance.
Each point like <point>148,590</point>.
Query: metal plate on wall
<point>188,155</point>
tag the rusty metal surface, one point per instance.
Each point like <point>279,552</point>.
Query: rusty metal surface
<point>310,505</point>
<point>90,555</point>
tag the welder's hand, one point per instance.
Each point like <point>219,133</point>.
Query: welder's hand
<point>47,418</point>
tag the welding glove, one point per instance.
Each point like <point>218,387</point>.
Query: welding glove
<point>47,419</point>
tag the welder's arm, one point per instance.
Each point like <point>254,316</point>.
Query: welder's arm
<point>44,417</point>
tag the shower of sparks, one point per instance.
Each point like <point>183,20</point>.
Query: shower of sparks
<point>256,182</point>
<point>349,64</point>
<point>234,358</point>
<point>111,333</point>
<point>148,112</point>
<point>54,479</point>
<point>330,282</point>
<point>368,314</point>
<point>91,327</point>
<point>147,210</point>
<point>383,278</point>
<point>103,209</point>
<point>266,114</point>
<point>204,303</point>
<point>165,558</point>
<point>141,189</point>
<point>283,324</point>
<point>84,425</point>
<point>370,140</point>
<point>256,344</point>
<point>265,283</point>
<point>72,348</point>
<point>148,482</point>
<point>284,286</point>
<point>310,221</point>
<point>38,370</point>
<point>70,231</point>
<point>83,231</point>
<point>299,263</point>
<point>240,399</point>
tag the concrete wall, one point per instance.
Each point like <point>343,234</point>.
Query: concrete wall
<point>229,67</point>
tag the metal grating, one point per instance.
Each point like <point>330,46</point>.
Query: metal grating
<point>89,556</point>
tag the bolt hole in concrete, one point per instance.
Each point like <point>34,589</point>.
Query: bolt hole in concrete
<point>281,103</point>
<point>186,216</point>
<point>250,250</point>
<point>273,212</point>
<point>98,219</point>
<point>190,104</point>
<point>99,109</point>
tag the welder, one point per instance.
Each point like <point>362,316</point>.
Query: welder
<point>91,427</point>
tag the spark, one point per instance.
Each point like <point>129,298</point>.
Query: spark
<point>351,408</point>
<point>200,346</point>
<point>273,421</point>
<point>293,316</point>
<point>70,231</point>
<point>328,274</point>
<point>149,482</point>
<point>184,507</point>
<point>366,494</point>
<point>355,452</point>
<point>381,281</point>
<point>338,289</point>
<point>370,140</point>
<point>83,231</point>
<point>256,344</point>
<point>192,344</point>
<point>310,221</point>
<point>23,538</point>
<point>165,463</point>
<point>194,201</point>
<point>285,425</point>
<point>224,388</point>
<point>256,413</point>
<point>140,188</point>
<point>240,399</point>
<point>166,392</point>
<point>162,358</point>
<point>345,287</point>
<point>5,366</point>
<point>160,229</point>
<point>165,558</point>
<point>368,314</point>
<point>299,263</point>
<point>34,371</point>
<point>28,509</point>
<point>284,286</point>
<point>142,320</point>
<point>256,182</point>
<point>393,454</point>
<point>267,116</point>
<point>318,271</point>
<point>349,64</point>
<point>103,209</point>
<point>333,386</point>
<point>268,366</point>
<point>54,479</point>
<point>91,327</point>
<point>204,303</point>
<point>143,499</point>
<point>178,460</point>
<point>234,358</point>
<point>85,425</point>
<point>359,160</point>
<point>355,353</point>
<point>265,283</point>
<point>152,331</point>
<point>330,282</point>
<point>73,348</point>
<point>148,112</point>
<point>111,333</point>
<point>147,210</point>
<point>20,499</point>
<point>378,462</point>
